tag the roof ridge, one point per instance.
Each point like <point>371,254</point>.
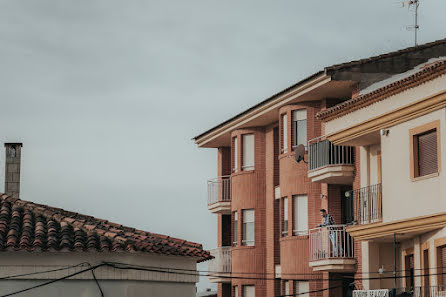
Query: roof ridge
<point>386,55</point>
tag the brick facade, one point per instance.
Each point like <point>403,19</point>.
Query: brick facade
<point>255,189</point>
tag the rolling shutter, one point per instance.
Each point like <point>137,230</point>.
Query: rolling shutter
<point>427,153</point>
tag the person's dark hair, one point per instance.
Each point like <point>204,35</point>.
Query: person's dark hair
<point>323,210</point>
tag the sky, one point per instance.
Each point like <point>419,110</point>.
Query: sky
<point>106,94</point>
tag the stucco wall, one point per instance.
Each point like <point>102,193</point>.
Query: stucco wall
<point>114,282</point>
<point>402,197</point>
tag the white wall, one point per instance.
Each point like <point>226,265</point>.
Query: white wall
<point>402,197</point>
<point>114,282</point>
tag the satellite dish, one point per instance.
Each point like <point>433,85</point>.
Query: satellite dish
<point>299,153</point>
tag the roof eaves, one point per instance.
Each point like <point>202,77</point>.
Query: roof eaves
<point>267,100</point>
<point>428,73</point>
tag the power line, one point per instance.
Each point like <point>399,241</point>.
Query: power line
<point>45,271</point>
<point>54,280</point>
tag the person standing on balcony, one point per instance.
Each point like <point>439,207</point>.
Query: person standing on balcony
<point>327,221</point>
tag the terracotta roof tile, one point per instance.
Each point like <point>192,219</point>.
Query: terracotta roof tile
<point>34,227</point>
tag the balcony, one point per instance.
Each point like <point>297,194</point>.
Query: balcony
<point>219,195</point>
<point>328,163</point>
<point>367,204</point>
<point>220,267</point>
<point>331,249</point>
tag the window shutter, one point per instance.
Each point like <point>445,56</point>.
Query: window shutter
<point>300,214</point>
<point>427,153</point>
<point>284,133</point>
<point>248,151</point>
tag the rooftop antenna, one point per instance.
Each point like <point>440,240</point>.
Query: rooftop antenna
<point>415,4</point>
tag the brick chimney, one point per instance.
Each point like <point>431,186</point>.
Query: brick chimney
<point>12,169</point>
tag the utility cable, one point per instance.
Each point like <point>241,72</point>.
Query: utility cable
<point>45,271</point>
<point>53,281</point>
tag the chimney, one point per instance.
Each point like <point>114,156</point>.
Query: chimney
<point>12,169</point>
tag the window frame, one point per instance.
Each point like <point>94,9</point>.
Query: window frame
<point>295,125</point>
<point>297,232</point>
<point>284,144</point>
<point>235,146</point>
<point>245,241</point>
<point>243,289</point>
<point>414,158</point>
<point>235,229</point>
<point>244,147</point>
<point>285,219</point>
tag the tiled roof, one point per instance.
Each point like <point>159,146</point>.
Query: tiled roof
<point>35,227</point>
<point>429,72</point>
<point>385,56</point>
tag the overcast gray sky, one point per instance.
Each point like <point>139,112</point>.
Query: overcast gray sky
<point>106,95</point>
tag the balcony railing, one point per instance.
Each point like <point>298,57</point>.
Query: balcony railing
<point>219,189</point>
<point>221,264</point>
<point>367,204</point>
<point>330,242</point>
<point>322,153</point>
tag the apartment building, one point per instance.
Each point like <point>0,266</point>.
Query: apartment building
<point>399,127</point>
<point>268,204</point>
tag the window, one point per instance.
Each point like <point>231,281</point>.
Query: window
<point>299,127</point>
<point>235,156</point>
<point>286,288</point>
<point>234,242</point>
<point>301,287</point>
<point>300,215</point>
<point>284,133</point>
<point>248,227</point>
<point>248,152</point>
<point>425,145</point>
<point>235,290</point>
<point>249,291</point>
<point>285,217</point>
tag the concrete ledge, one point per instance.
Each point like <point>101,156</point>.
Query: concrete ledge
<point>222,207</point>
<point>334,265</point>
<point>333,174</point>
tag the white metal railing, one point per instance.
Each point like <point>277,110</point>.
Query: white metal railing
<point>322,153</point>
<point>367,203</point>
<point>221,262</point>
<point>330,242</point>
<point>219,189</point>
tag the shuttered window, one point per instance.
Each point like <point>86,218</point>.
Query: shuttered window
<point>285,217</point>
<point>427,153</point>
<point>249,291</point>
<point>248,227</point>
<point>248,152</point>
<point>425,148</point>
<point>235,155</point>
<point>299,127</point>
<point>235,233</point>
<point>300,215</point>
<point>301,288</point>
<point>284,133</point>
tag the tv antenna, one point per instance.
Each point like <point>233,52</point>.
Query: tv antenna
<point>415,4</point>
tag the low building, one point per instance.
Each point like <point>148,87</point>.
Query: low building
<point>47,251</point>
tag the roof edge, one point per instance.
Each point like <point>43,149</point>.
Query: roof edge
<point>428,73</point>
